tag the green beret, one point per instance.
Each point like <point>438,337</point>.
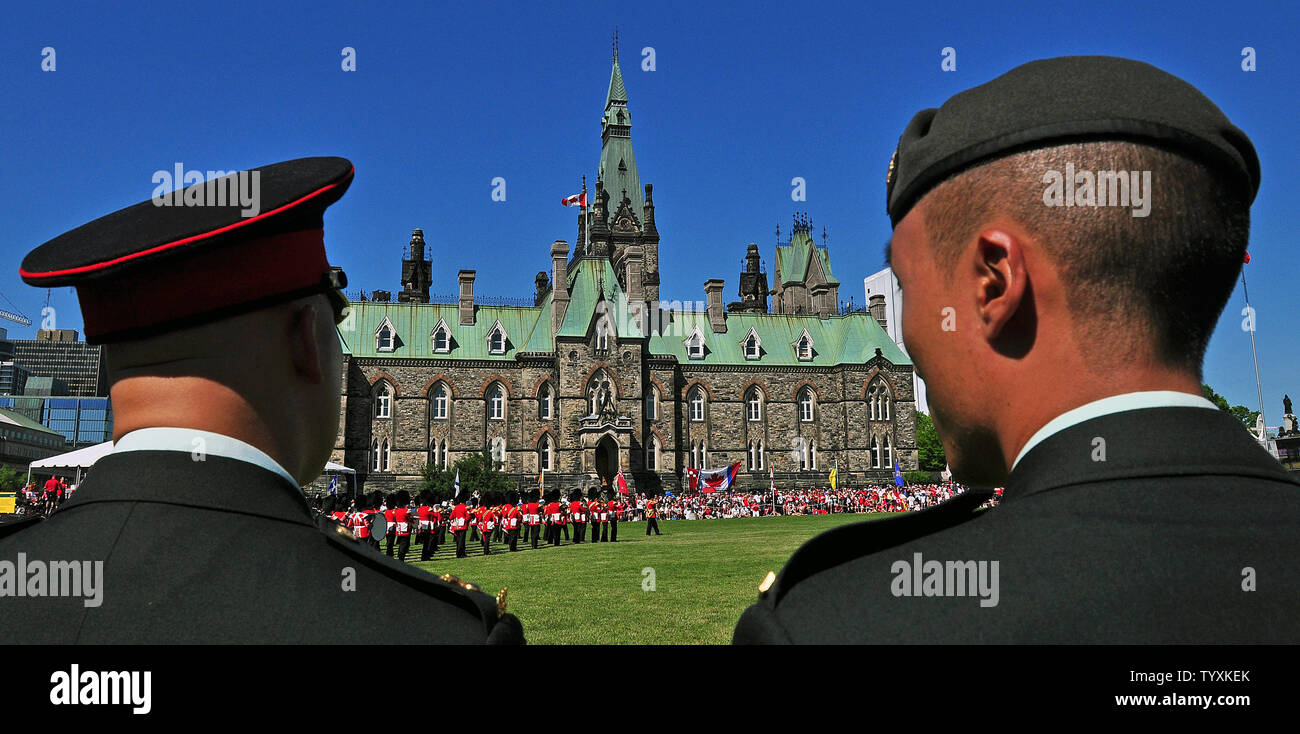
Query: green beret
<point>1063,100</point>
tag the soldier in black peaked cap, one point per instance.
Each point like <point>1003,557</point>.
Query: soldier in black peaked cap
<point>224,363</point>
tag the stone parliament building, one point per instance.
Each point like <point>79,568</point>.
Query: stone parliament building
<point>600,375</point>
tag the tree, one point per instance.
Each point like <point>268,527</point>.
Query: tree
<point>478,472</point>
<point>11,480</point>
<point>929,448</point>
<point>1240,412</point>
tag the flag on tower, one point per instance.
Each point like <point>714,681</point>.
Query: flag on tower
<point>575,200</point>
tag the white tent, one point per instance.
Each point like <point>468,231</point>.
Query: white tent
<point>78,460</point>
<point>349,474</point>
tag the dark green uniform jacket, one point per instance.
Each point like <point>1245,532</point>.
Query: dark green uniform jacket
<point>1187,532</point>
<point>225,551</point>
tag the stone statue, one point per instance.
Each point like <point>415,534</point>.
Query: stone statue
<point>1286,405</point>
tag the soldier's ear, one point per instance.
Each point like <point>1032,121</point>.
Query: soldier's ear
<point>305,342</point>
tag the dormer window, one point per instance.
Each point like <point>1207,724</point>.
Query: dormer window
<point>441,338</point>
<point>752,346</point>
<point>497,339</point>
<point>803,346</point>
<point>695,345</point>
<point>385,336</point>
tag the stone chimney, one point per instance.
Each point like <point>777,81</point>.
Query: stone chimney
<point>559,283</point>
<point>466,278</point>
<point>717,315</point>
<point>876,305</point>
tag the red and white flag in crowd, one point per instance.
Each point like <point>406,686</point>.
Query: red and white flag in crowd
<point>621,482</point>
<point>692,478</point>
<point>711,480</point>
<point>575,200</point>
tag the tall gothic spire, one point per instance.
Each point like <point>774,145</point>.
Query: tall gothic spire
<point>617,163</point>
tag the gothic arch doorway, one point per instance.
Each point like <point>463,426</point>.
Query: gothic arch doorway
<point>607,458</point>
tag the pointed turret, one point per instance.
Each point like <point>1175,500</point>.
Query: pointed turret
<point>617,163</point>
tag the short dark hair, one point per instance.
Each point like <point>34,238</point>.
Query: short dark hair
<point>1172,271</point>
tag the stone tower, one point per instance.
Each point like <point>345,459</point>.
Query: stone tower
<point>753,285</point>
<point>417,272</point>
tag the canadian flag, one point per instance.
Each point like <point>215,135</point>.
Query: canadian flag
<point>621,482</point>
<point>711,480</point>
<point>575,200</point>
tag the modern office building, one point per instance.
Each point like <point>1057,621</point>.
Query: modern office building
<point>13,378</point>
<point>58,353</point>
<point>81,421</point>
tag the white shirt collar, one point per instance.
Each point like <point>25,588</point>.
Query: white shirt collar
<point>1113,404</point>
<point>192,440</point>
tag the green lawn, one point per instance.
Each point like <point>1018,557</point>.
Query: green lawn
<point>706,572</point>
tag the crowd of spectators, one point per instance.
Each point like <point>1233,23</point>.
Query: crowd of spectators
<point>809,501</point>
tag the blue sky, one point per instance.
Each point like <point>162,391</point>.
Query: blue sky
<point>743,98</point>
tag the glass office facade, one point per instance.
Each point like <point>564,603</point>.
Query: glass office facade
<point>81,421</point>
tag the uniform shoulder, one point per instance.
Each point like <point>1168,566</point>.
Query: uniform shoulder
<point>9,527</point>
<point>843,544</point>
<point>462,596</point>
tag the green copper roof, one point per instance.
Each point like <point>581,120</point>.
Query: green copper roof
<point>527,330</point>
<point>849,339</point>
<point>16,418</point>
<point>586,280</point>
<point>617,92</point>
<point>793,259</point>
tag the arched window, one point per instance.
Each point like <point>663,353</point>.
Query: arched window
<point>440,401</point>
<point>806,405</point>
<point>751,347</point>
<point>383,401</point>
<point>871,400</point>
<point>603,330</point>
<point>374,455</point>
<point>384,339</point>
<point>754,405</point>
<point>889,452</point>
<point>651,404</point>
<point>497,341</point>
<point>755,462</point>
<point>544,402</point>
<point>545,455</point>
<point>497,402</point>
<point>884,403</point>
<point>698,454</point>
<point>387,456</point>
<point>875,453</point>
<point>812,455</point>
<point>697,405</point>
<point>652,454</point>
<point>802,449</point>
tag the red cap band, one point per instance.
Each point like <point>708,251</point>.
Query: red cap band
<point>222,278</point>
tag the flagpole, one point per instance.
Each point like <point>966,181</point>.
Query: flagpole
<point>1259,390</point>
